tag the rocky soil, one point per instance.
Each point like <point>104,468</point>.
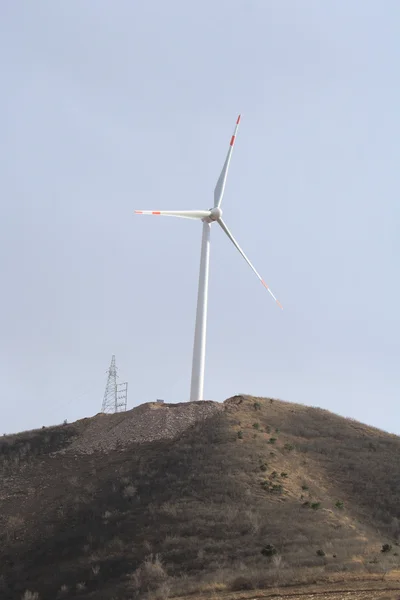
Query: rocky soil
<point>146,423</point>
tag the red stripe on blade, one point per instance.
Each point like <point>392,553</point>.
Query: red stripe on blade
<point>156,212</point>
<point>232,140</point>
<point>238,120</point>
<point>139,212</point>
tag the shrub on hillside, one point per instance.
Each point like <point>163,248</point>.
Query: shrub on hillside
<point>63,590</point>
<point>28,595</point>
<point>269,550</point>
<point>277,488</point>
<point>150,577</point>
<point>81,586</point>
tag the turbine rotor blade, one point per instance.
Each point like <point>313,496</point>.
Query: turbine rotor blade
<point>183,214</point>
<point>220,187</point>
<point>234,242</point>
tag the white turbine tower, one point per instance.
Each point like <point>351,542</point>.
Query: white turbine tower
<point>213,215</point>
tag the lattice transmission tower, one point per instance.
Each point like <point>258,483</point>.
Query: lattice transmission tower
<point>116,394</point>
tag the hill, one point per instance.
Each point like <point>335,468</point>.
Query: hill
<point>171,499</point>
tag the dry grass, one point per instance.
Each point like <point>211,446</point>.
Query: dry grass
<point>150,580</point>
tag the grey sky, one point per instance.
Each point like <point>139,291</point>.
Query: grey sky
<point>111,106</point>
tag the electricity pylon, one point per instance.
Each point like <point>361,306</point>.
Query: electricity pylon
<point>116,394</point>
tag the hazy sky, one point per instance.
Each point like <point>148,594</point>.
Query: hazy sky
<point>109,106</point>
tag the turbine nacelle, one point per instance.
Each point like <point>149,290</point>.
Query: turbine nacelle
<point>215,214</point>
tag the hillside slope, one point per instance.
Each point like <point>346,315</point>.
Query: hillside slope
<point>251,492</point>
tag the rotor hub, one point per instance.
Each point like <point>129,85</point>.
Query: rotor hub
<point>216,213</point>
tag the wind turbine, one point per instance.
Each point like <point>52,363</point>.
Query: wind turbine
<point>208,217</point>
